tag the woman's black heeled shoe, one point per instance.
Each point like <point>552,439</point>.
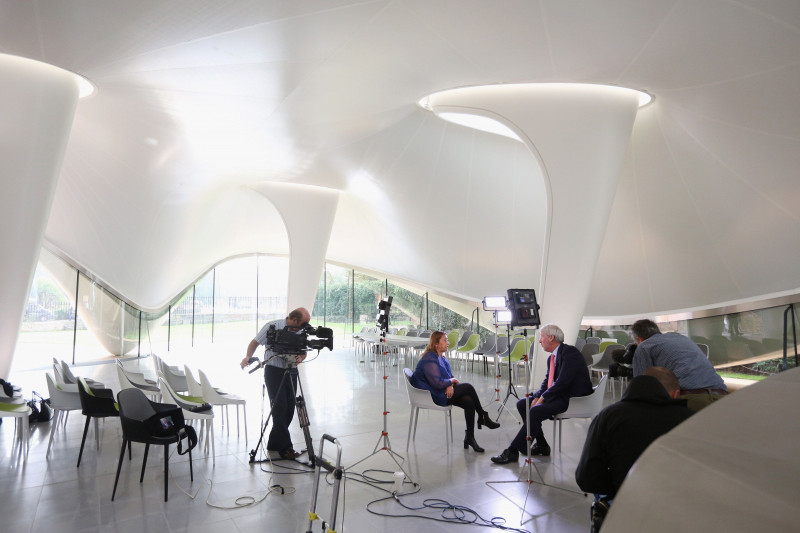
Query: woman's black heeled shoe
<point>484,420</point>
<point>469,440</point>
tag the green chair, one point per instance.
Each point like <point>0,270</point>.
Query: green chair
<point>469,348</point>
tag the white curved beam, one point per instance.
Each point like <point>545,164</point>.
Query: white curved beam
<point>37,106</point>
<point>579,134</point>
<point>308,214</point>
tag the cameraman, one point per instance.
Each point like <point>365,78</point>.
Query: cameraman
<point>282,398</point>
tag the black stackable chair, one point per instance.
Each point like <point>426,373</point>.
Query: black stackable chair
<point>95,403</point>
<point>140,419</point>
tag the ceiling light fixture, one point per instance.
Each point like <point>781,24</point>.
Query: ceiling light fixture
<point>85,87</point>
<point>491,125</point>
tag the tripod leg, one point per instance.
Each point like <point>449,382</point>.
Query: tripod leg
<point>302,418</point>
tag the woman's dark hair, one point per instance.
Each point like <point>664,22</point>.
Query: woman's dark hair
<point>436,336</point>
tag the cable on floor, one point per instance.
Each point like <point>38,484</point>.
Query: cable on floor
<point>450,513</point>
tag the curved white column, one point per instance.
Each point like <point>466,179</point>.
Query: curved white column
<point>308,214</point>
<point>37,106</point>
<point>579,133</point>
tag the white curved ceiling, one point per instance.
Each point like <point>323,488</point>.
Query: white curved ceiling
<point>199,101</point>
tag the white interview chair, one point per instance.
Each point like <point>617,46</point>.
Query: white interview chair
<point>215,397</point>
<point>422,399</point>
<point>581,407</point>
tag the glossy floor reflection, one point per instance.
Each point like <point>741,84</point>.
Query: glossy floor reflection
<point>345,400</point>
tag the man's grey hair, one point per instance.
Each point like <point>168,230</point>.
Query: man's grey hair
<point>551,330</point>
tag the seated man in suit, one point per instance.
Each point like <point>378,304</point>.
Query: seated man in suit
<point>567,376</point>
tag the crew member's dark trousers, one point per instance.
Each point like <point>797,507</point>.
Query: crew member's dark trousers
<point>465,397</point>
<point>282,399</point>
<point>539,413</point>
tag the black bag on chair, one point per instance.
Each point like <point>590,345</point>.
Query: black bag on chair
<point>170,422</point>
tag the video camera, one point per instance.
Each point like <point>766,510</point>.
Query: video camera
<point>287,342</point>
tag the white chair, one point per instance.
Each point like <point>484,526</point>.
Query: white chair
<point>422,399</point>
<point>581,407</point>
<point>136,380</point>
<point>62,402</point>
<point>187,403</point>
<point>60,383</point>
<point>71,378</point>
<point>215,397</point>
<point>20,413</point>
<point>171,374</point>
<point>193,385</point>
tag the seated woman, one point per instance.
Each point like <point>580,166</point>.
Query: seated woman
<point>433,373</point>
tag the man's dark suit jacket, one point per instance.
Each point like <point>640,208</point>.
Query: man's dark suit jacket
<point>571,376</point>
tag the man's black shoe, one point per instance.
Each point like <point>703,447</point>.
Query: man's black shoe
<point>508,456</point>
<point>540,450</point>
<point>289,454</point>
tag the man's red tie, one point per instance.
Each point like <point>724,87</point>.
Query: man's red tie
<point>551,374</point>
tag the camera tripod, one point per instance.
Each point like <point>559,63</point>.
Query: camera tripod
<point>291,375</point>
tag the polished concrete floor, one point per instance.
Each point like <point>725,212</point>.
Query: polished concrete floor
<point>345,400</point>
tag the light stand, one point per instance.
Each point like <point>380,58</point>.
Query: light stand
<point>511,390</point>
<point>531,465</point>
<point>383,443</point>
<point>525,312</point>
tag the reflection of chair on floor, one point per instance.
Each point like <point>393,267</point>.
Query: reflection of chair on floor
<point>95,403</point>
<point>194,408</point>
<point>61,402</point>
<point>135,410</point>
<point>422,399</point>
<point>215,397</point>
<point>581,407</point>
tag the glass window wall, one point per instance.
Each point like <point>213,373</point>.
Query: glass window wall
<point>231,302</point>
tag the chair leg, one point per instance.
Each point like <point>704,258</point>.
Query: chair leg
<point>83,440</point>
<point>213,448</point>
<point>244,415</point>
<point>410,420</point>
<point>191,469</point>
<point>144,461</point>
<point>166,471</point>
<point>52,431</point>
<point>119,467</point>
